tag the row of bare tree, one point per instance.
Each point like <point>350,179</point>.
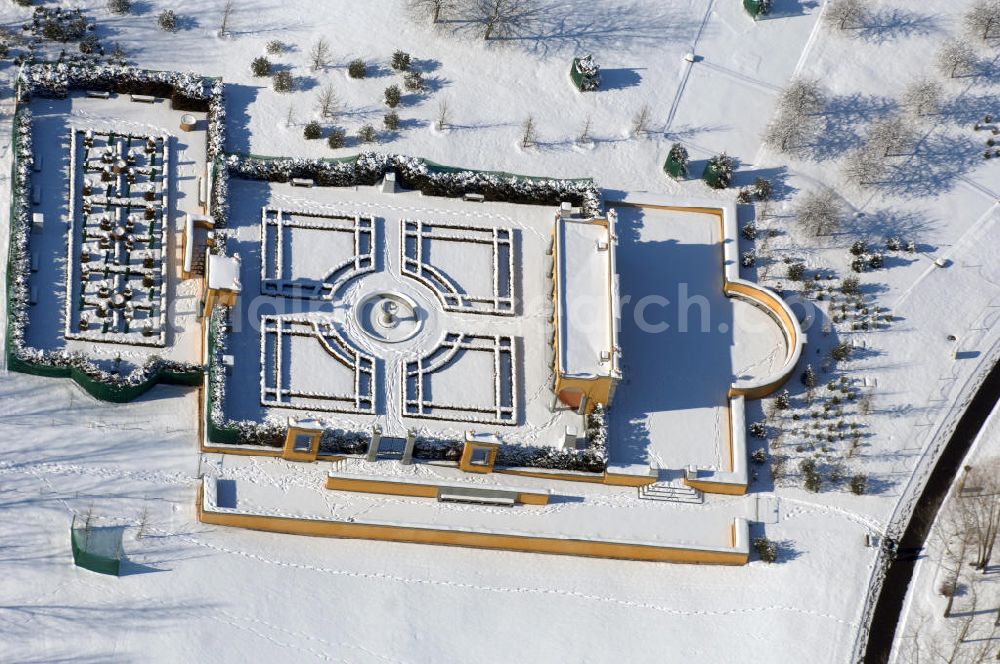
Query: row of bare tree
<point>967,528</point>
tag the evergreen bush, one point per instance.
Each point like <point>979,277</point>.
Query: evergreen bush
<point>357,68</point>
<point>167,20</point>
<point>260,66</point>
<point>313,130</point>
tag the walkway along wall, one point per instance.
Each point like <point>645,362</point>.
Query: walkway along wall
<point>737,553</point>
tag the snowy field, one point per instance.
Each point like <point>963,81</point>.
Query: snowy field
<point>196,592</point>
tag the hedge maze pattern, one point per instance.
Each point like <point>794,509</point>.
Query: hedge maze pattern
<point>500,407</point>
<point>278,386</point>
<point>277,228</point>
<point>417,247</point>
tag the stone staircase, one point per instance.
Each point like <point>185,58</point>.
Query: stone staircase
<point>674,492</point>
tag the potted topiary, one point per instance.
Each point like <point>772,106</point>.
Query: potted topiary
<point>586,74</point>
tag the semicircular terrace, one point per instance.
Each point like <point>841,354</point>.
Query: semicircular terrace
<point>691,423</point>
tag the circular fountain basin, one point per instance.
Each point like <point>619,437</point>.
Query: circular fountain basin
<point>389,317</point>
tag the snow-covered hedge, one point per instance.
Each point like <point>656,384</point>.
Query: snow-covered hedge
<point>370,167</point>
<point>186,90</point>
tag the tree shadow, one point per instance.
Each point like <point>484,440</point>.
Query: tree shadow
<point>888,222</point>
<point>934,167</point>
<point>186,22</point>
<point>968,108</point>
<point>582,27</point>
<point>790,8</point>
<point>619,79</point>
<point>841,118</point>
<point>886,24</point>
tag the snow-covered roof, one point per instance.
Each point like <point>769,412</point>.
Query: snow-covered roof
<point>587,297</point>
<point>224,273</point>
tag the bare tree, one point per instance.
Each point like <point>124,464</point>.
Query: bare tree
<point>982,20</point>
<point>442,115</point>
<point>923,97</point>
<point>802,97</point>
<point>327,103</point>
<point>290,116</point>
<point>952,531</point>
<point>980,506</point>
<point>502,19</point>
<point>785,133</point>
<point>640,121</point>
<point>432,8</point>
<point>227,13</point>
<point>528,132</point>
<point>820,211</point>
<point>844,14</point>
<point>863,167</point>
<point>890,136</point>
<point>956,58</point>
<point>583,137</point>
<point>319,54</point>
<point>143,521</point>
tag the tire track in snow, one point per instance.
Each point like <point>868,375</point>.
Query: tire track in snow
<point>519,590</point>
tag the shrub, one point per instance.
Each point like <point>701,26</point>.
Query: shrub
<point>851,286</point>
<point>275,46</point>
<point>367,134</point>
<point>766,549</point>
<point>392,96</point>
<point>744,196</point>
<point>413,81</point>
<point>748,259</point>
<point>749,231</point>
<point>811,479</point>
<point>400,61</point>
<point>119,6</point>
<point>719,171</point>
<point>337,138</point>
<point>893,243</point>
<point>841,351</point>
<point>357,68</point>
<point>391,121</point>
<point>167,20</point>
<point>859,484</point>
<point>876,260</point>
<point>260,66</point>
<point>759,456</point>
<point>859,247</point>
<point>677,161</point>
<point>282,81</point>
<point>758,429</point>
<point>783,401</point>
<point>312,130</point>
<point>88,44</point>
<point>796,271</point>
<point>762,189</point>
